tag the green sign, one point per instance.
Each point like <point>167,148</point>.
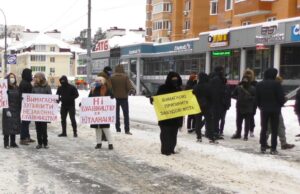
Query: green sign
<point>221,53</point>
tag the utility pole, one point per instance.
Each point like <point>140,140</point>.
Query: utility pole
<point>5,44</point>
<point>89,46</point>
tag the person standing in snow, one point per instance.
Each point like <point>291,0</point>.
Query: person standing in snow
<point>101,89</point>
<point>297,108</point>
<point>25,87</point>
<point>67,94</point>
<point>169,127</point>
<point>41,87</point>
<point>122,87</point>
<point>191,120</point>
<point>270,98</point>
<point>11,121</point>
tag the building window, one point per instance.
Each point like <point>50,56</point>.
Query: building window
<point>228,5</point>
<point>162,25</point>
<point>37,58</point>
<point>38,68</point>
<point>213,7</point>
<point>149,31</point>
<point>52,49</point>
<point>162,7</point>
<point>40,48</point>
<point>148,16</point>
<point>52,70</point>
<point>52,59</point>
<point>187,24</point>
<point>269,19</point>
<point>245,23</point>
<point>188,5</point>
<point>149,2</point>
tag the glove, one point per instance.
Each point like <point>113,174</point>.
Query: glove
<point>80,104</point>
<point>151,100</point>
<point>132,92</point>
<point>8,113</point>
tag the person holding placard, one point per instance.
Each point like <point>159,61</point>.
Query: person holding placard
<point>41,87</point>
<point>11,122</point>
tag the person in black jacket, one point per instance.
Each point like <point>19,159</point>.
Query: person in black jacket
<point>25,87</point>
<point>270,98</point>
<point>169,127</point>
<point>202,92</point>
<point>67,94</point>
<point>191,120</point>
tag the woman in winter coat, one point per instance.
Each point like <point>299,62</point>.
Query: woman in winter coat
<point>41,86</point>
<point>169,127</point>
<point>191,120</point>
<point>101,89</point>
<point>245,96</point>
<point>11,121</point>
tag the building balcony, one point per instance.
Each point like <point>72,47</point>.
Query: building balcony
<point>251,8</point>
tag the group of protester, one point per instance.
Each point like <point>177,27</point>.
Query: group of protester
<point>115,85</point>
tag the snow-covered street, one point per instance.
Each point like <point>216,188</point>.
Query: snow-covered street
<point>72,165</point>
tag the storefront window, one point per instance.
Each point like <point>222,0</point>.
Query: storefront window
<point>259,60</point>
<point>230,62</point>
<point>290,62</point>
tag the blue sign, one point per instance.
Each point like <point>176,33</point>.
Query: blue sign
<point>295,33</point>
<point>11,59</point>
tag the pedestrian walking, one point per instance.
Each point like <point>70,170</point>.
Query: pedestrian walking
<point>270,98</point>
<point>67,94</point>
<point>169,127</point>
<point>101,89</point>
<point>25,87</point>
<point>11,121</point>
<point>41,86</point>
<point>122,87</point>
<point>226,106</point>
<point>191,120</point>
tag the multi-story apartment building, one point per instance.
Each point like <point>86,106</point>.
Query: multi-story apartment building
<point>171,20</point>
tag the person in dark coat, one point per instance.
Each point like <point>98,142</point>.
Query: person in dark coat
<point>191,118</point>
<point>122,88</point>
<point>244,94</point>
<point>203,95</point>
<point>226,105</point>
<point>217,85</point>
<point>25,87</point>
<point>67,94</point>
<point>270,98</point>
<point>101,89</point>
<point>297,108</point>
<point>41,87</point>
<point>11,121</point>
<point>169,127</point>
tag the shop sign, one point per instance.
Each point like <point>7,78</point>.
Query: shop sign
<point>184,47</point>
<point>226,53</point>
<point>269,34</point>
<point>133,52</point>
<point>295,33</point>
<point>102,45</point>
<point>218,40</point>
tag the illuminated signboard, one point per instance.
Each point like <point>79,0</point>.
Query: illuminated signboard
<point>218,40</point>
<point>226,53</point>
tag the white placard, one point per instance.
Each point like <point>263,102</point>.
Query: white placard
<point>3,94</point>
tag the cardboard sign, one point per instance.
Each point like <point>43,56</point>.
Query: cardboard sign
<point>98,110</point>
<point>39,107</point>
<point>3,94</point>
<point>175,104</point>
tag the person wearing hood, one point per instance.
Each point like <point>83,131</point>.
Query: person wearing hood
<point>203,95</point>
<point>67,94</point>
<point>41,86</point>
<point>121,88</point>
<point>25,87</point>
<point>169,127</point>
<point>270,98</point>
<point>11,120</point>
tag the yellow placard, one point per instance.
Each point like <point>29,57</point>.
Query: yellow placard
<point>175,104</point>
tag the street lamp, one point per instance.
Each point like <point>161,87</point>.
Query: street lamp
<point>5,43</point>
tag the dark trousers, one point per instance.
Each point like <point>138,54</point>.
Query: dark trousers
<point>12,140</point>
<point>168,139</point>
<point>239,122</point>
<point>252,123</point>
<point>216,118</point>
<point>222,122</point>
<point>200,121</point>
<point>63,113</point>
<point>191,121</point>
<point>273,118</point>
<point>25,130</point>
<point>41,133</point>
<point>123,103</point>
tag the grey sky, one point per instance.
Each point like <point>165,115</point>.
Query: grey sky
<point>70,16</point>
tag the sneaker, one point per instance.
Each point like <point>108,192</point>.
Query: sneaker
<point>287,146</point>
<point>24,142</point>
<point>110,146</point>
<point>128,133</point>
<point>46,146</point>
<point>235,136</point>
<point>251,134</point>
<point>39,147</point>
<point>30,140</point>
<point>297,135</point>
<point>190,130</point>
<point>273,152</point>
<point>263,150</point>
<point>199,140</point>
<point>62,135</point>
<point>213,142</point>
<point>220,137</point>
<point>268,146</point>
<point>245,138</point>
<point>98,146</point>
<point>75,135</point>
<point>14,145</point>
<point>6,147</point>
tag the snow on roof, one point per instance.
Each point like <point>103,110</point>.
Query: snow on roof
<point>128,39</point>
